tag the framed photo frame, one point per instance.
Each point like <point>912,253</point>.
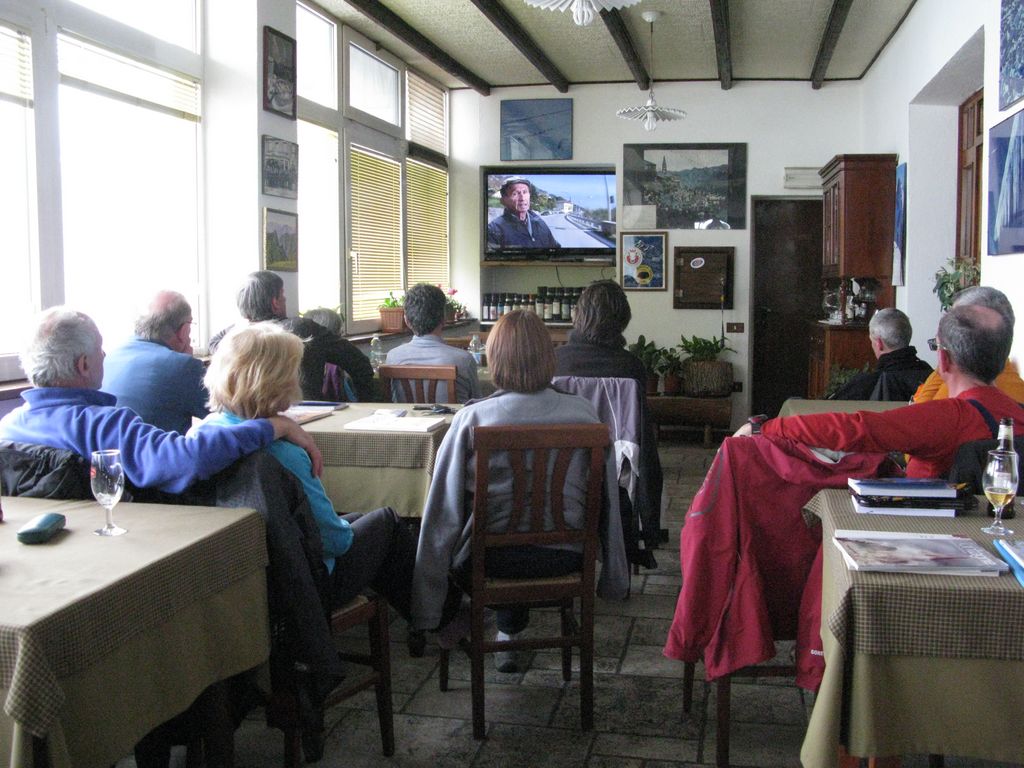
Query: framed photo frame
<point>899,235</point>
<point>280,240</point>
<point>1011,52</point>
<point>643,259</point>
<point>1005,149</point>
<point>536,129</point>
<point>684,186</point>
<point>279,161</point>
<point>703,278</point>
<point>279,73</point>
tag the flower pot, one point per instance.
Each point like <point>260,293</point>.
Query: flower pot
<point>652,384</point>
<point>392,319</point>
<point>707,378</point>
<point>449,315</point>
<point>671,384</point>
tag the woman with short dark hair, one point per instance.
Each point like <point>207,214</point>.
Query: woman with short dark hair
<point>522,361</point>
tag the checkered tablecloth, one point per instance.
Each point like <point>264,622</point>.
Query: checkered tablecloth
<point>898,614</point>
<point>72,601</point>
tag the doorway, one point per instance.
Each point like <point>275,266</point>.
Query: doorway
<point>786,295</point>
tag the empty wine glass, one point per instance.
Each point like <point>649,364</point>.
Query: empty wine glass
<point>107,479</point>
<point>1000,483</point>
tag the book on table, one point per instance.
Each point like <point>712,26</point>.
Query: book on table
<point>906,487</point>
<point>306,412</point>
<point>1012,551</point>
<point>914,496</point>
<point>382,422</point>
<point>932,553</point>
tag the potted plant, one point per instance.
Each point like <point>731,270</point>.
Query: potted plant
<point>960,275</point>
<point>669,365</point>
<point>703,374</point>
<point>453,309</point>
<point>392,314</point>
<point>649,354</point>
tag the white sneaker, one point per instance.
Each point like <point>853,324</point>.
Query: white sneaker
<point>505,661</point>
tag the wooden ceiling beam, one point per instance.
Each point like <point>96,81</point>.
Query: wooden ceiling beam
<point>833,29</point>
<point>510,28</point>
<point>720,23</point>
<point>617,29</point>
<point>396,25</point>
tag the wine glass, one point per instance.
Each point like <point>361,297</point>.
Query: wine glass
<point>107,479</point>
<point>1000,483</point>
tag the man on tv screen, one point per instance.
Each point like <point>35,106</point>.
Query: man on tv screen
<point>518,226</point>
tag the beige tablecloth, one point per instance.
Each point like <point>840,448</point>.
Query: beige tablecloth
<point>915,664</point>
<point>366,470</point>
<point>797,406</point>
<point>102,639</point>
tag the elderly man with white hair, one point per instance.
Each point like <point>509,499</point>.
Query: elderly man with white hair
<point>66,409</point>
<point>899,371</point>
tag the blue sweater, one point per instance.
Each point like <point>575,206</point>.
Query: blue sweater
<point>163,386</point>
<point>87,420</point>
<point>335,533</point>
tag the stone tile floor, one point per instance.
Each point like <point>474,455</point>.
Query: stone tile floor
<point>533,717</point>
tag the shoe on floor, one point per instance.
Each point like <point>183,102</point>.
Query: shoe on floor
<point>505,661</point>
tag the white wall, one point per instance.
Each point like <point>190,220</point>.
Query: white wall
<point>782,124</point>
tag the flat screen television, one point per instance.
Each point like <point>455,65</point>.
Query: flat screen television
<point>557,214</point>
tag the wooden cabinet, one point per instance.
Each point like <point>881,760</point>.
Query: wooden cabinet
<point>859,197</point>
<point>843,345</point>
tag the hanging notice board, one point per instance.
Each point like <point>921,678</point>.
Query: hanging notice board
<point>703,278</point>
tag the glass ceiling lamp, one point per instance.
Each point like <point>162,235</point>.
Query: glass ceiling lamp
<point>650,112</point>
<point>583,11</point>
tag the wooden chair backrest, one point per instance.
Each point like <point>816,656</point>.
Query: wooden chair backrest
<point>417,383</point>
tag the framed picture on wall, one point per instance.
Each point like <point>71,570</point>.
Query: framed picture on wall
<point>703,278</point>
<point>536,129</point>
<point>1006,186</point>
<point>280,166</point>
<point>278,73</point>
<point>1011,52</point>
<point>280,240</point>
<point>899,237</point>
<point>642,256</point>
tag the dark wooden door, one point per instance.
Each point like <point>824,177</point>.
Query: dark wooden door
<point>786,295</point>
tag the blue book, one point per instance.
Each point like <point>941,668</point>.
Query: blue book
<point>903,487</point>
<point>1012,553</point>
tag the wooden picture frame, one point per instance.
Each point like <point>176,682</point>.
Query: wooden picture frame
<point>279,80</point>
<point>280,240</point>
<point>643,261</point>
<point>703,278</point>
<point>279,164</point>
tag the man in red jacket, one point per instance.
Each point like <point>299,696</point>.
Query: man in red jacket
<point>973,343</point>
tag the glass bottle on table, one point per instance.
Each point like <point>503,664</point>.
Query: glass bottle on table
<point>1004,442</point>
<point>376,352</point>
<point>476,348</point>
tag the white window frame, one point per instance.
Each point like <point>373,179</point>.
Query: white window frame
<point>349,38</point>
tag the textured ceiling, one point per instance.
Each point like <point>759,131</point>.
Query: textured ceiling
<point>769,39</point>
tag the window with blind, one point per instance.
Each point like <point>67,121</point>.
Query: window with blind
<point>427,113</point>
<point>375,214</point>
<point>426,201</point>
<point>17,194</point>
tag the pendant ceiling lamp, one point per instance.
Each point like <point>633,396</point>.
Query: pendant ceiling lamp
<point>650,113</point>
<point>583,11</point>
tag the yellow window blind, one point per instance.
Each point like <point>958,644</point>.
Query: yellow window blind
<point>427,113</point>
<point>376,230</point>
<point>15,65</point>
<point>426,223</point>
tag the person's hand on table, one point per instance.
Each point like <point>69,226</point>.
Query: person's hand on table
<point>286,429</point>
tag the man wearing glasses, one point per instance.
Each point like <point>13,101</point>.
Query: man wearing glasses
<point>155,373</point>
<point>973,343</point>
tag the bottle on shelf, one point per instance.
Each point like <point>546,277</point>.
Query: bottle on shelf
<point>556,306</point>
<point>506,305</point>
<point>548,297</point>
<point>538,301</point>
<point>377,355</point>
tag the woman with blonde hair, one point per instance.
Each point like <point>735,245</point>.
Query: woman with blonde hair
<point>255,373</point>
<point>522,362</point>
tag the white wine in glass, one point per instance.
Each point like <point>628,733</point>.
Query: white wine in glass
<point>1000,484</point>
<point>107,479</point>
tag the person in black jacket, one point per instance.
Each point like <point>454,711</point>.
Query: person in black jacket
<point>262,297</point>
<point>899,371</point>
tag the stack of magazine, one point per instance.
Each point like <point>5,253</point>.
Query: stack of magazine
<point>909,496</point>
<point>934,553</point>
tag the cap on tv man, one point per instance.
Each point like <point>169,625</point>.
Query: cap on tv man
<point>262,298</point>
<point>155,373</point>
<point>899,371</point>
<point>66,409</point>
<point>424,314</point>
<point>518,226</point>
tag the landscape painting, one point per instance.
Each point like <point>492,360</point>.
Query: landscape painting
<point>280,240</point>
<point>685,186</point>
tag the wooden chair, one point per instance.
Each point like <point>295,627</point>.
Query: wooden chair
<point>530,446</point>
<point>418,383</point>
<point>283,710</point>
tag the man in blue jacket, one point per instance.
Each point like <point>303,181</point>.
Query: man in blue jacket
<point>155,373</point>
<point>66,409</point>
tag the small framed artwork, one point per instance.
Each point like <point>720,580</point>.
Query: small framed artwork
<point>536,129</point>
<point>278,73</point>
<point>280,240</point>
<point>899,237</point>
<point>703,278</point>
<point>1011,52</point>
<point>280,164</point>
<point>643,260</point>
<point>1006,186</point>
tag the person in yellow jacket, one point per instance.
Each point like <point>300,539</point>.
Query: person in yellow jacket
<point>1009,381</point>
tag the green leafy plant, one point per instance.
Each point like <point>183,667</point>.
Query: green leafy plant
<point>959,275</point>
<point>699,348</point>
<point>648,352</point>
<point>669,362</point>
<point>391,302</point>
